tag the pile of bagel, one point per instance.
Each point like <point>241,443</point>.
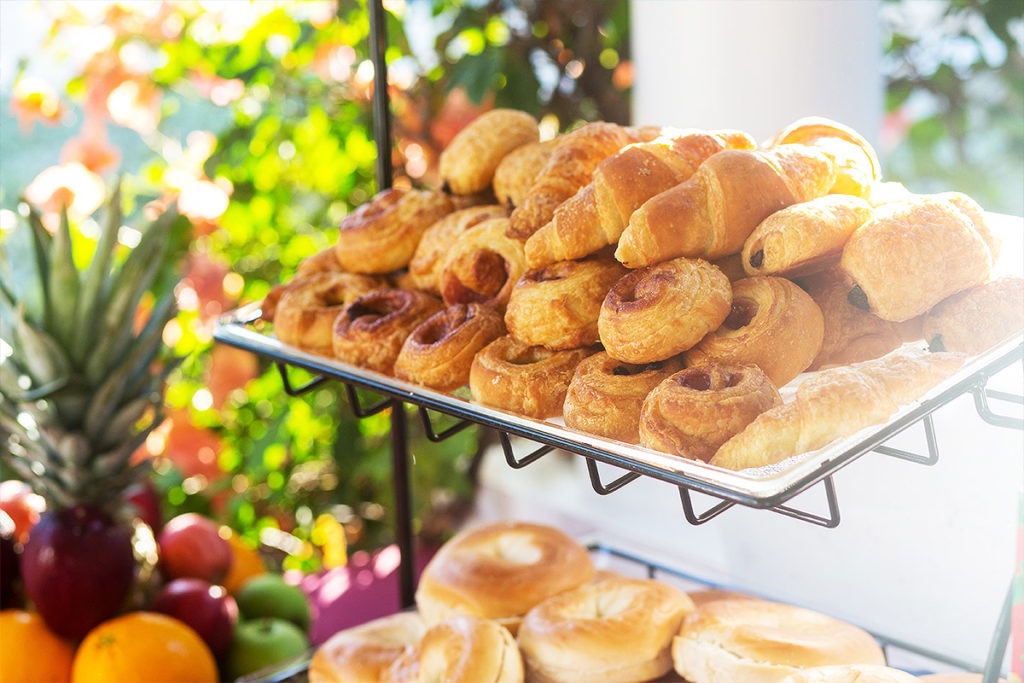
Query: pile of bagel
<point>658,286</point>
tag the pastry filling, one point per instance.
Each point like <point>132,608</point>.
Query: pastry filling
<point>529,355</point>
<point>489,274</point>
<point>757,258</point>
<point>700,379</point>
<point>630,370</point>
<point>740,315</point>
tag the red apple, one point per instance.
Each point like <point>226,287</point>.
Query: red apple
<point>206,609</point>
<point>190,547</point>
<point>144,498</point>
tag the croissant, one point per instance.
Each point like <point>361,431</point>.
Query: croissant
<point>916,253</point>
<point>596,215</point>
<point>467,164</point>
<point>712,214</point>
<point>834,403</point>
<point>856,164</point>
<point>570,167</point>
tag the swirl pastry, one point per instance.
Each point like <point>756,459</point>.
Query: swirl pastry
<point>772,324</point>
<point>978,318</point>
<point>482,266</point>
<point>605,395</point>
<point>615,630</point>
<point>362,654</point>
<point>325,261</point>
<point>467,164</point>
<point>437,241</point>
<point>460,650</point>
<point>382,234</point>
<point>695,411</point>
<point>439,353</point>
<point>524,379</point>
<point>501,571</point>
<point>657,312</point>
<point>557,306</point>
<point>370,331</point>
<point>517,171</point>
<point>305,313</point>
<point>856,164</point>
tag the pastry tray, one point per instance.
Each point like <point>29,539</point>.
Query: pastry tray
<point>767,487</point>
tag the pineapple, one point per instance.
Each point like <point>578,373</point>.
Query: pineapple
<point>80,391</point>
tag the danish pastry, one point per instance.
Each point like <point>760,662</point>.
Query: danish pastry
<point>382,234</point>
<point>467,164</point>
<point>772,324</point>
<point>325,261</point>
<point>557,306</point>
<point>370,331</point>
<point>657,312</point>
<point>460,650</point>
<point>439,352</point>
<point>696,410</point>
<point>305,313</point>
<point>363,653</point>
<point>605,395</point>
<point>518,170</point>
<point>978,318</point>
<point>856,164</point>
<point>482,266</point>
<point>437,241</point>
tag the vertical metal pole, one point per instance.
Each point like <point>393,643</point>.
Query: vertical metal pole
<point>381,108</point>
<point>403,503</point>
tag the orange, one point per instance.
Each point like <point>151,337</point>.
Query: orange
<point>245,564</point>
<point>30,652</point>
<point>145,647</point>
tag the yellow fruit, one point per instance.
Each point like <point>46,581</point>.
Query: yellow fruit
<point>30,652</point>
<point>246,562</point>
<point>143,647</point>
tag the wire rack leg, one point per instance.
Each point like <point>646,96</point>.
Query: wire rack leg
<point>516,462</point>
<point>933,446</point>
<point>605,489</point>
<point>437,437</point>
<point>298,391</point>
<point>830,521</point>
<point>985,412</point>
<point>359,410</point>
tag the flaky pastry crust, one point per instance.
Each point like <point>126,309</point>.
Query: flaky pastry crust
<point>305,312</point>
<point>437,241</point>
<point>460,650</point>
<point>370,331</point>
<point>482,266</point>
<point>978,318</point>
<point>468,163</point>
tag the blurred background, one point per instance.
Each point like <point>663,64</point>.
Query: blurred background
<point>254,118</point>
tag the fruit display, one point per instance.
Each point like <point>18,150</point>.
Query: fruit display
<point>191,547</point>
<point>207,609</point>
<point>262,643</point>
<point>30,652</point>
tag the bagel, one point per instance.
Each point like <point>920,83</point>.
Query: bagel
<point>370,331</point>
<point>460,650</point>
<point>307,307</point>
<point>501,571</point>
<point>363,653</point>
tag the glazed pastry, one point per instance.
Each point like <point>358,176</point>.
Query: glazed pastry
<point>834,403</point>
<point>657,312</point>
<point>363,653</point>
<point>305,312</point>
<point>467,164</point>
<point>978,318</point>
<point>772,324</point>
<point>557,306</point>
<point>696,410</point>
<point>613,630</point>
<point>518,170</point>
<point>804,238</point>
<point>855,161</point>
<point>712,214</point>
<point>596,215</point>
<point>370,331</point>
<point>482,266</point>
<point>460,650</point>
<point>916,253</point>
<point>439,238</point>
<point>439,352</point>
<point>569,168</point>
<point>382,234</point>
<point>605,395</point>
<point>524,379</point>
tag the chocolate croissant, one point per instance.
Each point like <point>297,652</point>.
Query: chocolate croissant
<point>468,163</point>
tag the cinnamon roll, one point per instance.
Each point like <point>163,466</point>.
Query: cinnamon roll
<point>426,263</point>
<point>482,266</point>
<point>370,331</point>
<point>306,307</point>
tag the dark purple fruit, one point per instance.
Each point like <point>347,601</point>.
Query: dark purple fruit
<point>10,575</point>
<point>208,609</point>
<point>78,568</point>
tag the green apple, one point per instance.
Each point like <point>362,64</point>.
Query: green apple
<point>260,643</point>
<point>268,595</point>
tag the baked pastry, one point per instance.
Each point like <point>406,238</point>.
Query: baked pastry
<point>772,324</point>
<point>756,641</point>
<point>657,312</point>
<point>460,650</point>
<point>696,410</point>
<point>482,266</point>
<point>440,351</point>
<point>834,403</point>
<point>518,170</point>
<point>557,306</point>
<point>712,214</point>
<point>851,673</point>
<point>305,312</point>
<point>615,630</point>
<point>382,234</point>
<point>570,167</point>
<point>323,261</point>
<point>914,254</point>
<point>524,379</point>
<point>978,318</point>
<point>804,238</point>
<point>731,266</point>
<point>437,241</point>
<point>501,571</point>
<point>467,164</point>
<point>370,331</point>
<point>598,213</point>
<point>855,161</point>
<point>851,334</point>
<point>363,653</point>
<point>702,597</point>
<point>605,395</point>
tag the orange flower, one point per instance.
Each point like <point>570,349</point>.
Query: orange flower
<point>36,100</point>
<point>70,184</point>
<point>91,148</point>
<point>220,91</point>
<point>333,62</point>
<point>135,104</point>
<point>229,369</point>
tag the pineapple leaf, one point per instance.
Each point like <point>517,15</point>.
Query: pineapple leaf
<point>91,293</point>
<point>63,283</point>
<point>24,269</point>
<point>43,357</point>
